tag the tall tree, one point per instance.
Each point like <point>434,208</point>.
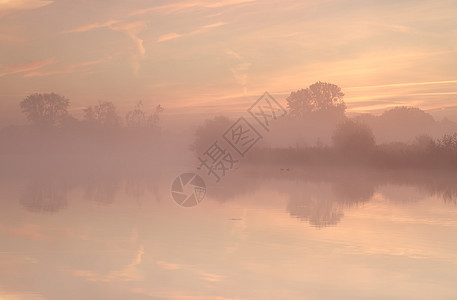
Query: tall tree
<point>318,97</point>
<point>45,109</point>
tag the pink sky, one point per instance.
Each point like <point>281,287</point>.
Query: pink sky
<point>218,55</point>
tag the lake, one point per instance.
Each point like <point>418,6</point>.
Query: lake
<point>266,233</point>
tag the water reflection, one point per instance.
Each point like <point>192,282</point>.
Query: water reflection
<point>116,234</point>
<point>45,195</point>
<point>319,207</point>
<point>319,196</point>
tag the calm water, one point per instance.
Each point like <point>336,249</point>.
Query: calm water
<point>259,235</point>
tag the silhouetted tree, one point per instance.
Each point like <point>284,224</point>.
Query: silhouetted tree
<point>136,118</point>
<point>353,136</point>
<point>153,120</point>
<point>447,142</point>
<point>409,115</point>
<point>45,109</point>
<point>401,124</point>
<point>318,97</point>
<point>104,113</point>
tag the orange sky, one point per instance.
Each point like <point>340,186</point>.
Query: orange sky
<point>216,55</point>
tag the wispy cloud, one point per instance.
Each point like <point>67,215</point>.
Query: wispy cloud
<point>168,266</point>
<point>28,231</point>
<point>20,296</point>
<point>92,26</point>
<point>65,69</point>
<point>201,29</point>
<point>207,276</point>
<point>168,36</point>
<point>177,7</point>
<point>207,27</point>
<point>213,25</point>
<point>239,69</point>
<point>7,6</point>
<point>27,67</point>
<point>402,84</point>
<point>132,30</point>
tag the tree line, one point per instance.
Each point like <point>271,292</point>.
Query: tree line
<point>50,110</point>
<point>350,140</point>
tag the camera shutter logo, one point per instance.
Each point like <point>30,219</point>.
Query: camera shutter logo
<point>188,190</point>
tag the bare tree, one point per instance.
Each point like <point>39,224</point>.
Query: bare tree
<point>154,119</point>
<point>104,113</point>
<point>136,118</point>
<point>318,97</point>
<point>45,109</point>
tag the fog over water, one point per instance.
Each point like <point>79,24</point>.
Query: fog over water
<point>228,150</point>
<point>88,205</point>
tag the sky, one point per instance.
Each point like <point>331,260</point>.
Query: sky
<point>217,56</point>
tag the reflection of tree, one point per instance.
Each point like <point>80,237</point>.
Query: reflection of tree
<point>319,212</point>
<point>446,188</point>
<point>102,191</point>
<point>45,195</point>
<point>135,187</point>
<point>323,205</point>
<point>352,192</point>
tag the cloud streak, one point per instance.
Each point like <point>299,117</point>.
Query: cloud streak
<point>201,29</point>
<point>27,67</point>
<point>402,84</point>
<point>8,6</point>
<point>132,30</point>
<point>184,5</point>
<point>92,26</point>
<point>65,69</point>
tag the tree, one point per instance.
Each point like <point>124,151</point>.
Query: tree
<point>447,142</point>
<point>318,97</point>
<point>104,114</point>
<point>404,115</point>
<point>353,136</point>
<point>136,118</point>
<point>153,120</point>
<point>45,109</point>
